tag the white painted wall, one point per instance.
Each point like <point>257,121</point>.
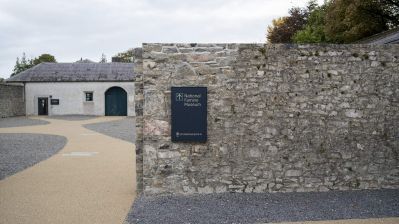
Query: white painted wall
<point>72,97</point>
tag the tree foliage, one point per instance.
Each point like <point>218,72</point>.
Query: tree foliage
<point>389,10</point>
<point>44,58</point>
<point>22,64</point>
<point>283,29</point>
<point>126,56</point>
<point>103,58</point>
<point>351,20</point>
<point>336,21</point>
<point>25,63</point>
<point>314,28</point>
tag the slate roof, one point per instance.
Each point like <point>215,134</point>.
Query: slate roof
<point>387,37</point>
<point>76,72</point>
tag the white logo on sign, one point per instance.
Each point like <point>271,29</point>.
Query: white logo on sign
<point>179,96</point>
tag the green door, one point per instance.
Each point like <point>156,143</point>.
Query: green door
<point>115,102</point>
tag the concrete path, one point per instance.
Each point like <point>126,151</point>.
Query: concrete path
<point>91,180</point>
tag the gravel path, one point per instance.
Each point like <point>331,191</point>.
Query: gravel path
<point>123,129</point>
<point>20,151</point>
<point>19,122</point>
<point>72,117</point>
<point>255,208</point>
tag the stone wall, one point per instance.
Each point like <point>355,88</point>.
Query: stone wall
<point>139,100</point>
<point>281,118</point>
<point>11,100</point>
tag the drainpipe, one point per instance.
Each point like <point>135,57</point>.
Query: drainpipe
<point>24,96</point>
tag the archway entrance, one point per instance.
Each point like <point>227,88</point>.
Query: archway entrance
<point>115,102</point>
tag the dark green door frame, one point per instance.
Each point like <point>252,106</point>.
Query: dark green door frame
<point>115,102</point>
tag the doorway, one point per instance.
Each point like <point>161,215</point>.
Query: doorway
<point>42,106</point>
<point>115,102</point>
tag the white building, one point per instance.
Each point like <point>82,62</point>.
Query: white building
<point>78,88</point>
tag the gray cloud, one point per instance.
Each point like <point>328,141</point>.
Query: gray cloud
<point>87,28</point>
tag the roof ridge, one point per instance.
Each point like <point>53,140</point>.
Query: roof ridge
<point>76,72</point>
<point>376,36</point>
<point>23,72</point>
<point>77,63</point>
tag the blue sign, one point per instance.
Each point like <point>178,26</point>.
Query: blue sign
<point>189,114</point>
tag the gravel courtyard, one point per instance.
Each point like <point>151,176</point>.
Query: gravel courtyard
<point>123,129</point>
<point>20,151</point>
<point>264,208</point>
<point>20,122</point>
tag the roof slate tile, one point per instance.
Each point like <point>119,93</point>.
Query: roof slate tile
<point>76,72</point>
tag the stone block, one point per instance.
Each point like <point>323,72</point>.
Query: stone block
<point>293,173</point>
<point>352,113</point>
<point>205,190</point>
<point>156,128</point>
<point>168,154</point>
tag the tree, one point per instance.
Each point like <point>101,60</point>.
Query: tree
<point>314,29</point>
<point>350,20</point>
<point>336,21</point>
<point>103,59</point>
<point>44,58</point>
<point>283,29</point>
<point>126,56</point>
<point>389,11</point>
<point>22,64</point>
<point>25,63</point>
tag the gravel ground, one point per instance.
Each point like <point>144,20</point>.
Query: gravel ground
<point>263,208</point>
<point>123,129</point>
<point>72,117</point>
<point>20,151</point>
<point>19,122</point>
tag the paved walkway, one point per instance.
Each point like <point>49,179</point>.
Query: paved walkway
<point>91,180</point>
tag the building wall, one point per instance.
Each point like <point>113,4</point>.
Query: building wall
<point>281,118</point>
<point>11,100</point>
<point>72,98</point>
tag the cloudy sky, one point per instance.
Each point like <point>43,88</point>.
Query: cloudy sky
<point>74,29</point>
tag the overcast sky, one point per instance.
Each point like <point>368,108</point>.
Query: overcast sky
<point>74,29</point>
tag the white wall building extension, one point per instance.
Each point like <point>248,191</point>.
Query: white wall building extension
<point>72,98</point>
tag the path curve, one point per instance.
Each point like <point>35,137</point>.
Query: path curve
<point>91,180</point>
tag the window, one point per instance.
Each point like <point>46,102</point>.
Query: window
<point>89,96</point>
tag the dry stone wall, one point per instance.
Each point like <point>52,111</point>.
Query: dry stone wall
<point>281,118</point>
<point>11,100</point>
<point>138,103</point>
